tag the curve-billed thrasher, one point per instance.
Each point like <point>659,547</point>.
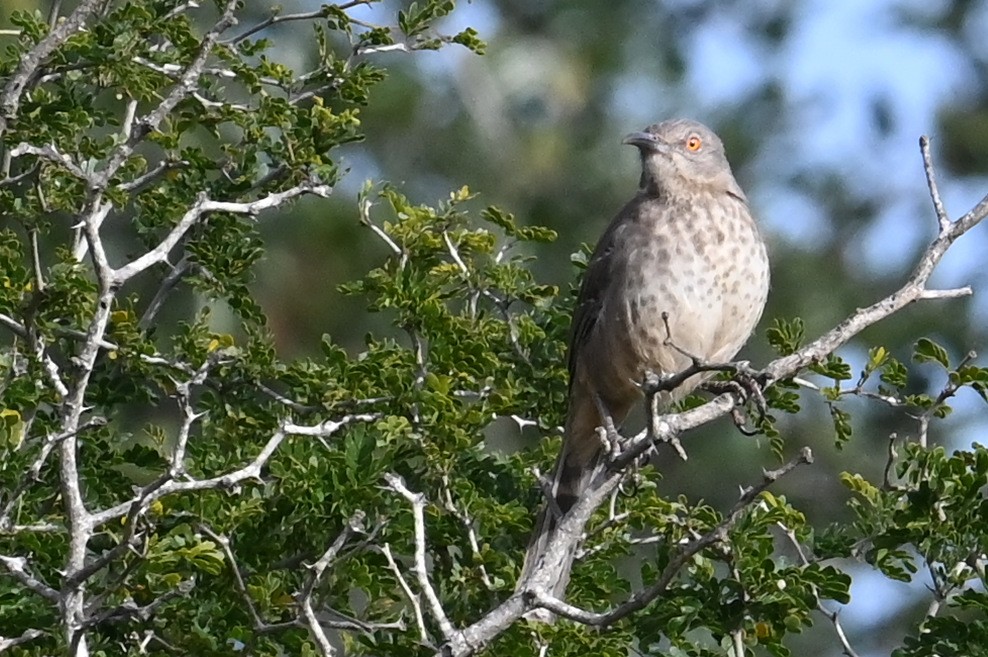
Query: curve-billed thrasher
<point>680,270</point>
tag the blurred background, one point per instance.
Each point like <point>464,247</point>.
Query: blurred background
<point>820,104</point>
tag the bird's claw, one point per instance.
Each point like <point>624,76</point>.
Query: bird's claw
<point>746,385</point>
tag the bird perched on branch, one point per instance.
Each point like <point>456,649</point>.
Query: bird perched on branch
<point>681,273</point>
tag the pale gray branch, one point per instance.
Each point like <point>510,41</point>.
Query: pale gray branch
<point>50,153</point>
<point>407,590</point>
<point>27,68</point>
<point>13,642</point>
<point>316,571</point>
<point>685,552</point>
<point>17,568</point>
<point>417,501</point>
<point>186,84</point>
<point>226,481</point>
<point>203,206</point>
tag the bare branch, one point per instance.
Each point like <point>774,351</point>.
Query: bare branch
<point>204,206</point>
<point>686,552</point>
<point>167,285</point>
<point>412,597</point>
<point>931,180</point>
<point>955,293</point>
<point>364,207</point>
<point>35,528</point>
<point>274,20</point>
<point>182,89</point>
<point>142,181</point>
<point>130,610</point>
<point>318,568</point>
<point>417,501</point>
<point>17,568</point>
<point>228,480</point>
<point>832,616</point>
<point>259,623</point>
<point>52,154</point>
<point>315,629</point>
<point>27,635</point>
<point>467,523</point>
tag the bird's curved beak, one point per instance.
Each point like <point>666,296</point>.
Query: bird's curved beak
<point>646,141</point>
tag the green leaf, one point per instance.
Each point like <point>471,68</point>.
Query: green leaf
<point>926,351</point>
<point>786,336</point>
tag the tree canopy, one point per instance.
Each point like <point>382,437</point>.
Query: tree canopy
<point>178,477</point>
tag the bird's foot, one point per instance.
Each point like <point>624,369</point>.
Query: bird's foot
<point>746,385</point>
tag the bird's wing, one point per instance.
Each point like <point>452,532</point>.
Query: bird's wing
<point>597,277</point>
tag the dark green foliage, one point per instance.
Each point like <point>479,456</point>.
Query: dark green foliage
<point>469,335</point>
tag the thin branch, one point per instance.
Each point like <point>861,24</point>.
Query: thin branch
<point>417,500</point>
<point>467,523</point>
<point>259,623</point>
<point>317,569</point>
<point>17,568</point>
<point>35,528</point>
<point>686,552</point>
<point>832,616</point>
<point>182,89</point>
<point>411,595</point>
<point>39,277</point>
<point>274,20</point>
<point>931,181</point>
<point>139,183</point>
<point>13,642</point>
<point>131,610</point>
<point>251,470</point>
<point>204,206</point>
<point>167,285</point>
<point>28,65</point>
<point>364,206</point>
<point>315,629</point>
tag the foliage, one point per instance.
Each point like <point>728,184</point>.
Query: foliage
<point>185,489</point>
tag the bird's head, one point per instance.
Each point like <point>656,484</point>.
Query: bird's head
<point>682,155</point>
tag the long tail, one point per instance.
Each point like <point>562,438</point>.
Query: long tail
<point>581,450</point>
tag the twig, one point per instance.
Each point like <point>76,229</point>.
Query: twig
<point>28,65</point>
<point>316,571</point>
<point>417,500</point>
<point>13,642</point>
<point>182,89</point>
<point>130,610</point>
<point>274,20</point>
<point>467,523</point>
<point>228,480</point>
<point>17,567</point>
<point>259,624</point>
<point>931,180</point>
<point>832,616</point>
<point>413,599</point>
<point>203,206</point>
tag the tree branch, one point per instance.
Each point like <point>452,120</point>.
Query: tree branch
<point>27,635</point>
<point>407,590</point>
<point>17,567</point>
<point>417,501</point>
<point>230,479</point>
<point>686,552</point>
<point>204,206</point>
<point>10,97</point>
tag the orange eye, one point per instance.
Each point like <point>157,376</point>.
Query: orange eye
<point>693,143</point>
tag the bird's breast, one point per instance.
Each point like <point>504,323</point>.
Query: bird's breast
<point>694,285</point>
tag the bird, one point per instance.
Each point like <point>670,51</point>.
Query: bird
<point>680,274</point>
